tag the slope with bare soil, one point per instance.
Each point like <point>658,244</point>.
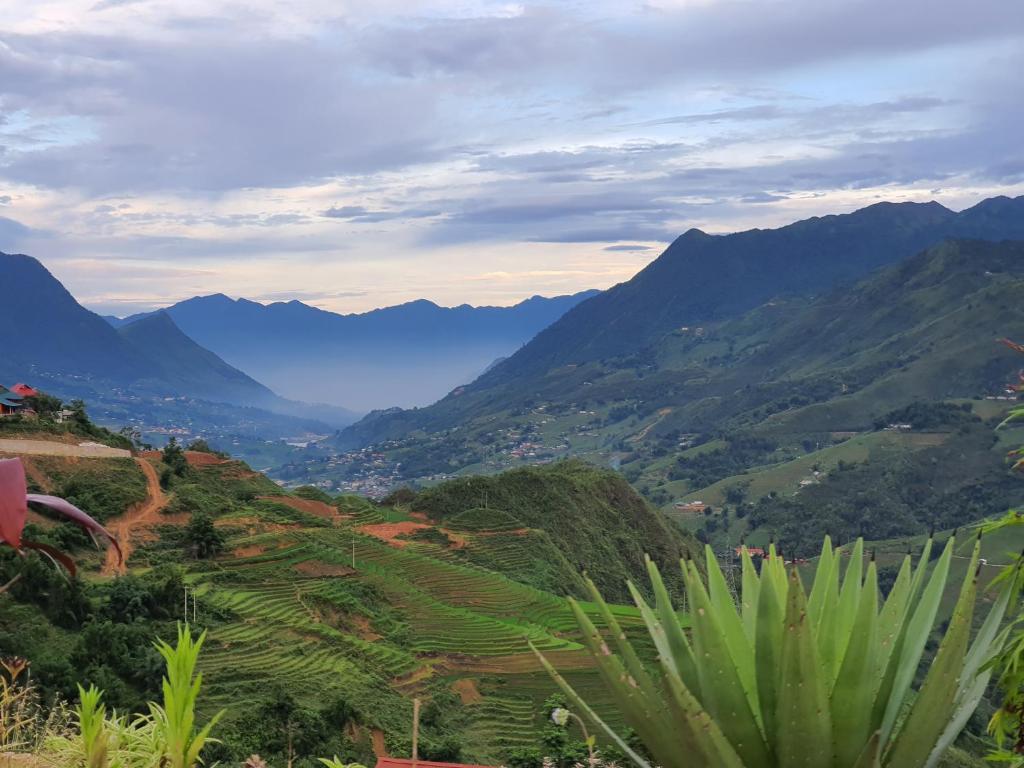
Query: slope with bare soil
<point>132,522</point>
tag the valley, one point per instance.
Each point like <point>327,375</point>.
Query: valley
<point>342,570</point>
<point>487,384</point>
<point>308,595</point>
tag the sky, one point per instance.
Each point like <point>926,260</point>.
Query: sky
<point>356,154</point>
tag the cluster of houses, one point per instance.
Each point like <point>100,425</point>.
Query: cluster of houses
<point>12,401</point>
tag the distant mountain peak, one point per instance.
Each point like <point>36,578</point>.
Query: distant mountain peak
<point>411,353</point>
<point>702,277</point>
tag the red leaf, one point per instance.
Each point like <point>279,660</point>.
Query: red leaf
<point>75,515</point>
<point>1012,345</point>
<point>54,554</point>
<point>13,508</point>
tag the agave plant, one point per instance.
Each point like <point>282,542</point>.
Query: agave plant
<point>14,501</point>
<point>786,678</point>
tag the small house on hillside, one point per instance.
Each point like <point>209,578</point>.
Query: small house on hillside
<point>752,551</point>
<point>25,390</point>
<point>693,507</point>
<point>10,402</point>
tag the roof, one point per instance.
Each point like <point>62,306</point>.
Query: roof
<point>750,550</point>
<point>399,762</point>
<point>24,390</point>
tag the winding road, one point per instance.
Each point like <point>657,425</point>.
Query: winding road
<point>146,514</point>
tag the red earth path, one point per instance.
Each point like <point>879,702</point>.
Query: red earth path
<point>144,515</point>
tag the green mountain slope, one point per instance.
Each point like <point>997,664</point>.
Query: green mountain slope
<point>769,386</point>
<point>333,604</point>
<point>701,277</point>
<point>178,361</point>
<point>702,280</point>
<point>593,517</point>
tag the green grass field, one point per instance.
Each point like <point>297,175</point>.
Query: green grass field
<point>327,610</point>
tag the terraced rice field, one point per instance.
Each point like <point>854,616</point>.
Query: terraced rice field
<point>329,610</point>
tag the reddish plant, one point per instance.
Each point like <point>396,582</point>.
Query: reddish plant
<point>14,501</point>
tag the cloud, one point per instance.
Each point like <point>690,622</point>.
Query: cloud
<point>359,213</point>
<point>13,231</point>
<point>17,237</point>
<point>304,295</point>
<point>628,248</point>
<point>209,116</point>
<point>452,137</point>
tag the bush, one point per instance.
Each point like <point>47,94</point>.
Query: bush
<point>202,539</point>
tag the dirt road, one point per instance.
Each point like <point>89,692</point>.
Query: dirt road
<point>52,448</point>
<point>146,514</point>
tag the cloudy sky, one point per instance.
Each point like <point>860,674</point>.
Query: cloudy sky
<point>355,154</point>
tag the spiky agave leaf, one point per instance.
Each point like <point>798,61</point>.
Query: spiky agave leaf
<point>918,627</point>
<point>673,719</point>
<point>721,685</point>
<point>935,703</point>
<point>854,691</point>
<point>803,719</point>
<point>849,710</point>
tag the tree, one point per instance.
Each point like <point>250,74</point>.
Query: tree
<point>46,406</point>
<point>174,457</point>
<point>202,537</point>
<point>132,435</point>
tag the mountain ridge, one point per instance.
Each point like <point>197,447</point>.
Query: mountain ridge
<point>565,366</point>
<point>727,274</point>
<point>68,349</point>
<point>407,354</point>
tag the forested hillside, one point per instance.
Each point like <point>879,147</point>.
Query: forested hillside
<point>781,382</point>
<point>326,615</point>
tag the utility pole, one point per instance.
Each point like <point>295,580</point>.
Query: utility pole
<point>415,730</point>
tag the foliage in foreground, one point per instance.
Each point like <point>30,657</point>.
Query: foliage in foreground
<point>167,736</point>
<point>790,679</point>
<point>1007,724</point>
<point>14,501</point>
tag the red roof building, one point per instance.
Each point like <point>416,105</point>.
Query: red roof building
<point>752,551</point>
<point>10,403</point>
<point>25,390</point>
<point>399,762</point>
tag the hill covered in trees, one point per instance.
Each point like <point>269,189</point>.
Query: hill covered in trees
<point>784,380</point>
<point>327,615</point>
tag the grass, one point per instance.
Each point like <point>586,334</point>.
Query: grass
<point>105,487</point>
<point>785,478</point>
<point>288,609</point>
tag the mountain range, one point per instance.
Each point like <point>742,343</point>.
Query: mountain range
<point>703,277</point>
<point>62,347</point>
<point>410,354</point>
<point>818,327</point>
<point>52,336</point>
